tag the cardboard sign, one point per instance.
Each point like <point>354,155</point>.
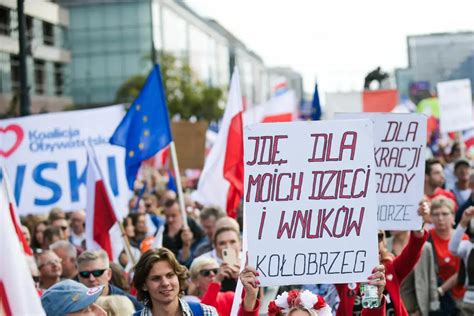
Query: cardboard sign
<point>46,158</point>
<point>310,201</point>
<point>455,100</point>
<point>190,139</point>
<point>400,147</point>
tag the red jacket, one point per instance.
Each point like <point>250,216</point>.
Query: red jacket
<point>222,301</point>
<point>396,271</point>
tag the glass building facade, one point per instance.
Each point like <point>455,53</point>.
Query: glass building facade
<point>437,57</point>
<point>113,40</point>
<point>110,43</point>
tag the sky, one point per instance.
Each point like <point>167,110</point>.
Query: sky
<point>336,42</point>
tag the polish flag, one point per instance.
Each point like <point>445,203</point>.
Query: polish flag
<point>100,213</point>
<point>5,183</point>
<point>365,101</point>
<point>221,181</point>
<point>18,295</point>
<point>280,108</point>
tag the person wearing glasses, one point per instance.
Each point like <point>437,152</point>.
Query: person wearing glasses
<point>206,278</point>
<point>68,254</point>
<point>442,217</point>
<point>49,266</point>
<point>94,270</point>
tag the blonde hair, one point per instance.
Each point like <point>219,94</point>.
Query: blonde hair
<point>197,265</point>
<point>88,256</point>
<point>116,305</point>
<point>440,201</point>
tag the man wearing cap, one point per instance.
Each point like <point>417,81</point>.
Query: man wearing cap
<point>69,297</point>
<point>462,189</point>
<point>94,270</point>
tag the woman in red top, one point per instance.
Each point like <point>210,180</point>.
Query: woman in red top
<point>442,217</point>
<point>206,278</point>
<point>396,269</point>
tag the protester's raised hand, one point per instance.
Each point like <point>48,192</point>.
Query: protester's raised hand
<point>187,237</point>
<point>249,280</point>
<point>225,271</point>
<point>467,216</point>
<point>424,212</point>
<point>378,279</point>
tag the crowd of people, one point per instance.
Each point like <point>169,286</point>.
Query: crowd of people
<point>421,273</point>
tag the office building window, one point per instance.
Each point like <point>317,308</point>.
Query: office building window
<point>58,79</point>
<point>39,76</point>
<point>15,72</point>
<point>29,28</point>
<point>48,34</point>
<point>4,21</point>
<point>5,77</point>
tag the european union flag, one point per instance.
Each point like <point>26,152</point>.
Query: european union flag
<point>145,129</point>
<point>316,105</point>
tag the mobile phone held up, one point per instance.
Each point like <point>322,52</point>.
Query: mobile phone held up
<point>230,256</point>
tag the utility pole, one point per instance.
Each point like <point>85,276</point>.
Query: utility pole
<point>25,106</point>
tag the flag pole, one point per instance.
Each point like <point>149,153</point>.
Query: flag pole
<point>128,249</point>
<point>461,143</point>
<point>174,159</point>
<point>91,151</point>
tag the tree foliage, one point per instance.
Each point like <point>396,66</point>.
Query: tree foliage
<point>185,94</point>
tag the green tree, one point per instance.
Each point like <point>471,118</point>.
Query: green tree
<point>185,94</point>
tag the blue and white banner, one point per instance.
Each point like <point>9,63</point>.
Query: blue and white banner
<point>46,158</point>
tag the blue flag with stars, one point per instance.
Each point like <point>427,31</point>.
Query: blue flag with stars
<point>145,129</point>
<point>315,105</point>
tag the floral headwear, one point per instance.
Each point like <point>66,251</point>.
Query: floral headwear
<point>306,299</point>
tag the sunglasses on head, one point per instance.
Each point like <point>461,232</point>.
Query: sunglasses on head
<point>207,272</point>
<point>95,273</point>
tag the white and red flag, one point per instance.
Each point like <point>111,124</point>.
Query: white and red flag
<point>221,181</point>
<point>12,210</point>
<point>18,295</point>
<point>100,212</point>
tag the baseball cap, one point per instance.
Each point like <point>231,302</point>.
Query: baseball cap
<point>462,161</point>
<point>69,296</point>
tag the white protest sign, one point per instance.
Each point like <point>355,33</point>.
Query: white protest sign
<point>400,147</point>
<point>310,201</point>
<point>46,158</point>
<point>455,102</point>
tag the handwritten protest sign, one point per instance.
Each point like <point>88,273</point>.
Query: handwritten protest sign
<point>46,159</point>
<point>400,146</point>
<point>455,100</point>
<point>310,201</point>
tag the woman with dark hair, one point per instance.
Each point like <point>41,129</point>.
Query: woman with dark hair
<point>37,236</point>
<point>160,282</point>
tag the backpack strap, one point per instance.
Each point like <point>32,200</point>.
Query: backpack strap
<point>196,308</point>
<point>430,240</point>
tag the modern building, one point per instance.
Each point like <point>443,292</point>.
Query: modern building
<point>437,57</point>
<point>113,40</point>
<point>48,55</point>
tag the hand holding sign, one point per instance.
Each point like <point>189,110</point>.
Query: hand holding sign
<point>400,141</point>
<point>309,189</point>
